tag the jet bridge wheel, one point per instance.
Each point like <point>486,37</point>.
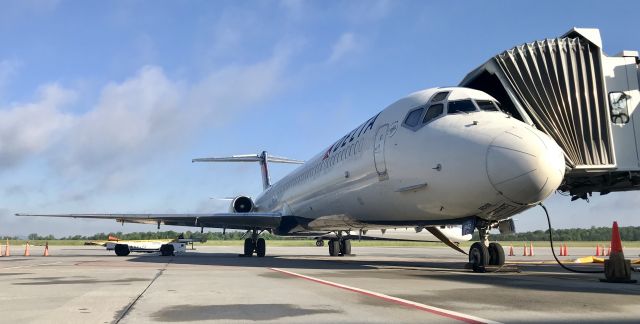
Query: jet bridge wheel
<point>261,247</point>
<point>496,254</point>
<point>248,247</point>
<point>478,256</point>
<point>334,247</point>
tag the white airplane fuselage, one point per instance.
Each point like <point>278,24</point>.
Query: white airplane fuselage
<point>388,172</point>
<point>453,233</point>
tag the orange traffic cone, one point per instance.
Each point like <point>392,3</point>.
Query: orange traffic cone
<point>524,250</point>
<point>46,249</point>
<point>617,268</point>
<point>26,250</point>
<point>8,251</point>
<point>597,249</point>
<point>531,249</point>
<point>511,251</point>
<point>609,251</point>
<point>561,250</point>
<point>566,250</point>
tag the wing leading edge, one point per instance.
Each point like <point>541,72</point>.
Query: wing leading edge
<point>218,220</point>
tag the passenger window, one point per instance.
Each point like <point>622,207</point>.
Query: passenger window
<point>413,119</point>
<point>461,106</point>
<point>433,112</point>
<point>487,105</point>
<point>439,96</point>
<point>618,104</point>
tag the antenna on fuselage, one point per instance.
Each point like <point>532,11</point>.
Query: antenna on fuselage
<point>263,158</point>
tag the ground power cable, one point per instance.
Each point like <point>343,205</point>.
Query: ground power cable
<point>553,250</point>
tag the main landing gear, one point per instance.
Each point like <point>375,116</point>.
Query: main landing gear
<point>255,244</point>
<point>339,247</point>
<point>483,253</point>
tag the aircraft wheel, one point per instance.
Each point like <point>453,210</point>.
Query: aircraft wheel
<point>345,247</point>
<point>478,257</point>
<point>319,243</point>
<point>122,250</point>
<point>248,247</point>
<point>496,254</point>
<point>334,247</point>
<point>261,247</point>
<point>167,249</point>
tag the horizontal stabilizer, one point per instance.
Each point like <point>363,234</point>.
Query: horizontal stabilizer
<point>249,158</point>
<point>263,158</point>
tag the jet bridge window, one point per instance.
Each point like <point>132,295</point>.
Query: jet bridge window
<point>459,106</point>
<point>487,105</point>
<point>413,118</point>
<point>619,110</point>
<point>433,112</point>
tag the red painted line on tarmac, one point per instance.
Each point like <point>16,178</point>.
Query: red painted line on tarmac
<point>407,303</point>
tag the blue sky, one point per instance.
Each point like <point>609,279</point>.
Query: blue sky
<point>104,103</point>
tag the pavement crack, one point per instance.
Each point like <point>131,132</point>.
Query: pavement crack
<point>132,303</point>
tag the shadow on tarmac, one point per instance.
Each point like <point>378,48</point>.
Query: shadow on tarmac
<point>541,277</point>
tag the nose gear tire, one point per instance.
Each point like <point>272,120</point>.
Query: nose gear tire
<point>496,254</point>
<point>478,257</point>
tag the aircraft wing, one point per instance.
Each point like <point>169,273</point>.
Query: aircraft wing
<point>217,220</point>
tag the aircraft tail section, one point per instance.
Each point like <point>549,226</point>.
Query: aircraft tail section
<point>263,158</point>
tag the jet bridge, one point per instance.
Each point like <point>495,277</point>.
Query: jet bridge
<point>585,100</point>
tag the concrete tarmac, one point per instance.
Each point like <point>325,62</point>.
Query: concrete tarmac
<point>304,285</point>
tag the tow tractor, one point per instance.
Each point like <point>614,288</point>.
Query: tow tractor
<point>165,247</point>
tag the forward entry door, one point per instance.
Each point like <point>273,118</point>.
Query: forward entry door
<point>378,152</point>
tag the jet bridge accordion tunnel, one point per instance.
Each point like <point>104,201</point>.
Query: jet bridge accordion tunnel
<point>585,100</point>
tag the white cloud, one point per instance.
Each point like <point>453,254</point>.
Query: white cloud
<point>28,129</point>
<point>147,117</point>
<point>347,44</point>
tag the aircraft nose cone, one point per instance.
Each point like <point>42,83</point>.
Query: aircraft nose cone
<point>525,166</point>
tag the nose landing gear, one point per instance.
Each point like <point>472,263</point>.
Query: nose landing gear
<point>482,254</point>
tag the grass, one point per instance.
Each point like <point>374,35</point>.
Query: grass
<point>355,243</point>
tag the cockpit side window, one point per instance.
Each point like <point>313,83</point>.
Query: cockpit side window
<point>459,106</point>
<point>433,112</point>
<point>413,118</point>
<point>487,105</point>
<point>439,96</point>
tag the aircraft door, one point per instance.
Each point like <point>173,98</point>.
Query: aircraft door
<point>378,152</point>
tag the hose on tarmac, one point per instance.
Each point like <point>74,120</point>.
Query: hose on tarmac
<point>554,251</point>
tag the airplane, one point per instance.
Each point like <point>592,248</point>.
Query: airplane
<point>440,156</point>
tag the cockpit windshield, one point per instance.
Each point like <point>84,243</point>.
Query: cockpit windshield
<point>487,105</point>
<point>461,106</point>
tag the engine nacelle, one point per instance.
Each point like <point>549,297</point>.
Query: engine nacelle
<point>241,204</point>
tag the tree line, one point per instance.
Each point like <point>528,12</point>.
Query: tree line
<point>628,233</point>
<point>158,235</point>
